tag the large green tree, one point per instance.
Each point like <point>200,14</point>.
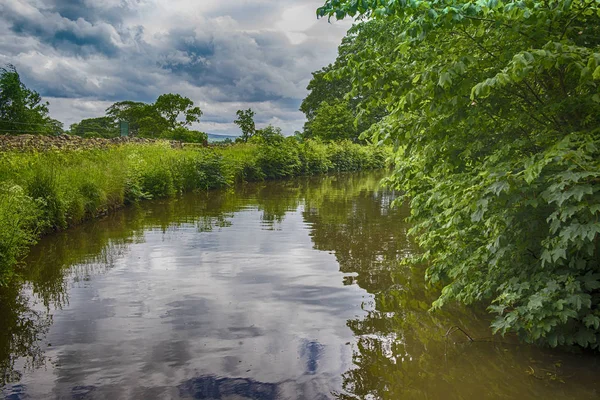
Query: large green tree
<point>143,118</point>
<point>21,109</point>
<point>331,88</point>
<point>494,108</point>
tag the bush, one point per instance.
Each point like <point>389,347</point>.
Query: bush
<point>19,214</point>
<point>279,158</point>
<point>193,173</point>
<point>185,135</point>
<point>347,156</point>
<point>157,181</point>
<point>314,158</point>
<point>43,188</point>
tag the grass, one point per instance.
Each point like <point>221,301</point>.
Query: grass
<point>49,191</point>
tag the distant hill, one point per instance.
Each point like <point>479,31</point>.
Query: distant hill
<point>219,138</point>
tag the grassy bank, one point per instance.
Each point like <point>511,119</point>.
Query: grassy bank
<point>41,192</point>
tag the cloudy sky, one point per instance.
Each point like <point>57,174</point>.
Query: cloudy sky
<point>83,55</point>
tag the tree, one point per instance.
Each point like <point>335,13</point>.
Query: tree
<point>152,120</point>
<point>22,109</point>
<point>143,118</point>
<point>333,85</point>
<point>494,109</point>
<point>334,122</point>
<point>171,106</point>
<point>102,127</point>
<point>245,120</point>
<point>324,88</point>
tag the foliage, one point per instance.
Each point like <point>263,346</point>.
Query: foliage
<point>185,135</point>
<point>144,120</point>
<point>170,112</point>
<point>495,111</point>
<point>102,127</point>
<point>324,88</point>
<point>173,106</point>
<point>245,120</point>
<point>46,191</point>
<point>18,214</point>
<point>314,158</point>
<point>334,122</point>
<point>278,156</point>
<point>22,109</point>
<point>331,108</point>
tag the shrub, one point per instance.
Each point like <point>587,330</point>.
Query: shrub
<point>185,135</point>
<point>157,181</point>
<point>43,188</point>
<point>314,158</point>
<point>18,216</point>
<point>279,158</point>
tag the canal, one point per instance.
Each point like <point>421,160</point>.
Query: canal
<point>278,290</point>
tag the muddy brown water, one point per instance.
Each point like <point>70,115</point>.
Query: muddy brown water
<point>278,290</point>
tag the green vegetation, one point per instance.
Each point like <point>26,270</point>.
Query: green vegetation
<point>332,107</point>
<point>102,127</point>
<point>494,109</point>
<point>22,109</point>
<point>168,117</point>
<point>245,120</point>
<point>44,192</point>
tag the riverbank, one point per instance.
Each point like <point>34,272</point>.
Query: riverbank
<point>42,192</point>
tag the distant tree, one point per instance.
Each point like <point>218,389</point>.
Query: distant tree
<point>170,111</point>
<point>143,119</point>
<point>22,109</point>
<point>246,123</point>
<point>171,106</point>
<point>103,127</point>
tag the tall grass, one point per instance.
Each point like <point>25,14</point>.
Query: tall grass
<point>44,192</point>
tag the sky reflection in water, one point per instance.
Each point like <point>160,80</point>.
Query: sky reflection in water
<point>279,290</point>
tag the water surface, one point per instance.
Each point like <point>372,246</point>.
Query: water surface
<point>280,290</point>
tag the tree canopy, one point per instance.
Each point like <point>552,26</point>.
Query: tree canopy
<point>21,109</point>
<point>103,127</point>
<point>245,120</point>
<point>494,109</point>
<point>168,117</point>
<point>330,92</point>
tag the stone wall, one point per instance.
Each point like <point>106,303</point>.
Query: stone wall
<point>66,142</point>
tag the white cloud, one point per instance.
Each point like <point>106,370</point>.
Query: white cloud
<point>83,55</point>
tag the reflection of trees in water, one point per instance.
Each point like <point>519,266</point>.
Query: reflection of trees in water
<point>78,254</point>
<point>22,326</point>
<point>400,350</point>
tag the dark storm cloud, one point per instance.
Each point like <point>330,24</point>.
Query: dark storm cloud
<point>223,55</point>
<point>92,11</point>
<point>77,36</point>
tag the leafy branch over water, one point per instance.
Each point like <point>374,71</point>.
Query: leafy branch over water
<point>494,108</point>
